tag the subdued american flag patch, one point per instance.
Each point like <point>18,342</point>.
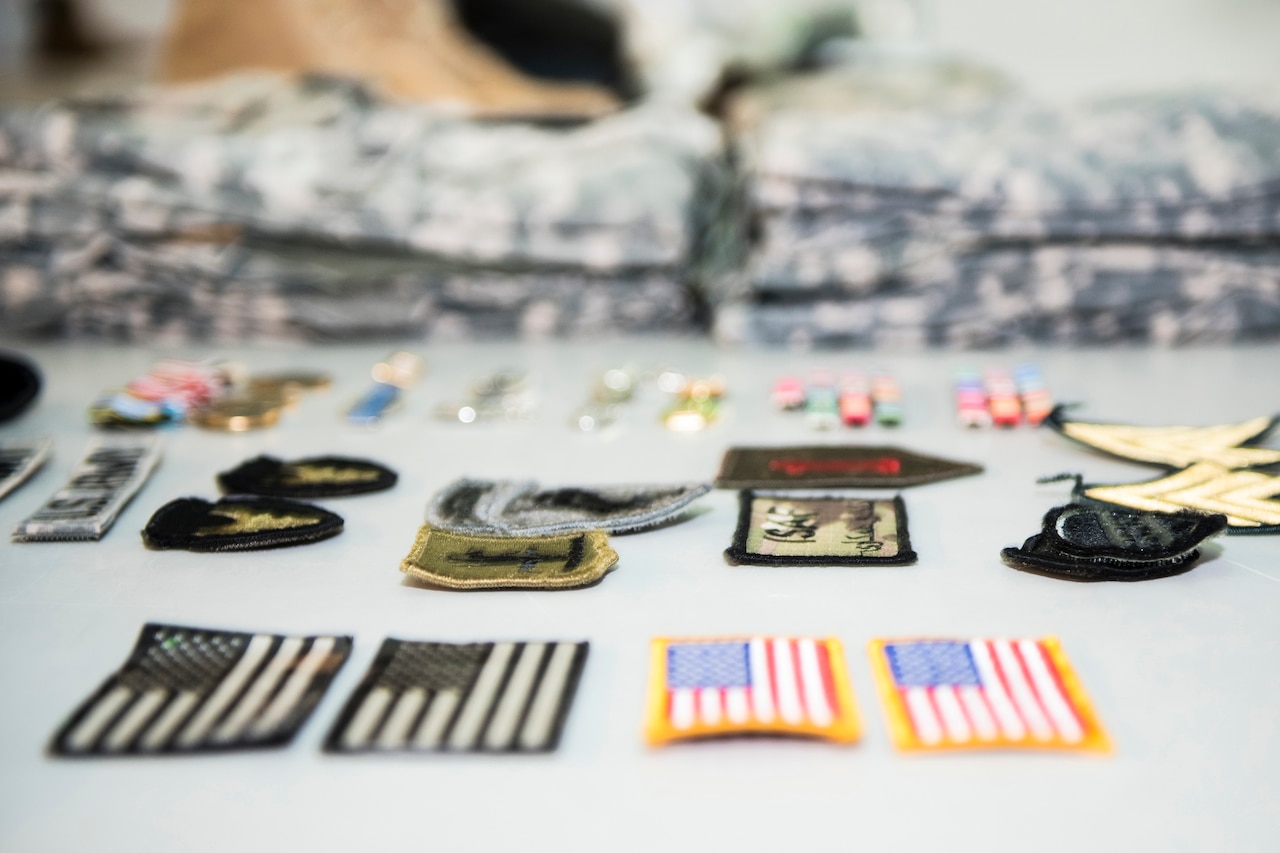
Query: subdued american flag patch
<point>942,694</point>
<point>749,685</point>
<point>196,690</point>
<point>472,697</point>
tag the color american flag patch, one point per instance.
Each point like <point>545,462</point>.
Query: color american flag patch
<point>751,685</point>
<point>942,694</point>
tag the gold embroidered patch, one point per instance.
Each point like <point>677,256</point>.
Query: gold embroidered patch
<point>1242,496</point>
<point>462,561</point>
<point>1176,446</point>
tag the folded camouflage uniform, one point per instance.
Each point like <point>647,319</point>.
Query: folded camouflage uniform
<point>1006,221</point>
<point>493,221</point>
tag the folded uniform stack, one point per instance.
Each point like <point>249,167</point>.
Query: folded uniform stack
<point>255,208</point>
<point>1152,219</point>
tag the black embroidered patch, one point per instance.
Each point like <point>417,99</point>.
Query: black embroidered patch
<point>834,466</point>
<point>477,697</point>
<point>1095,543</point>
<point>799,529</point>
<point>516,508</point>
<point>238,524</point>
<point>1228,445</point>
<point>1244,497</point>
<point>315,477</point>
<point>19,385</point>
<point>186,690</point>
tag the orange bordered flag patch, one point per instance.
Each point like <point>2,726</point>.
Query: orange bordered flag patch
<point>949,694</point>
<point>717,687</point>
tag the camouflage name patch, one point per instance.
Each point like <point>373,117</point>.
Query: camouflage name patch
<point>315,477</point>
<point>238,524</point>
<point>795,529</point>
<point>1097,543</point>
<point>471,697</point>
<point>452,560</point>
<point>834,466</point>
<point>515,508</point>
<point>186,690</point>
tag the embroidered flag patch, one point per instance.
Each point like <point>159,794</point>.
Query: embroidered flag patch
<point>983,694</point>
<point>462,561</point>
<point>798,529</point>
<point>1096,543</point>
<point>238,524</point>
<point>111,473</point>
<point>316,477</point>
<point>1246,498</point>
<point>1228,445</point>
<point>476,697</point>
<point>511,508</point>
<point>702,688</point>
<point>834,466</point>
<point>18,461</point>
<point>188,690</point>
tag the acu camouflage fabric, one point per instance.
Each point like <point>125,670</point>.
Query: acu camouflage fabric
<point>1002,222</point>
<point>198,212</point>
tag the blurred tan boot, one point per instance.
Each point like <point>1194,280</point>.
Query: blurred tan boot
<point>410,49</point>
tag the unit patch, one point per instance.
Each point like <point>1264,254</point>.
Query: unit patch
<point>819,529</point>
<point>476,697</point>
<point>18,461</point>
<point>1244,497</point>
<point>1228,445</point>
<point>512,508</point>
<point>1094,543</point>
<point>188,690</point>
<point>750,685</point>
<point>238,524</point>
<point>316,477</point>
<point>462,561</point>
<point>833,466</point>
<point>983,694</point>
<point>111,473</point>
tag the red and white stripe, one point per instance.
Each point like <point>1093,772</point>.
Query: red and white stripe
<point>1021,699</point>
<point>791,682</point>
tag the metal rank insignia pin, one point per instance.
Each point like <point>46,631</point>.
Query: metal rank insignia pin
<point>450,560</point>
<point>697,401</point>
<point>614,389</point>
<point>391,377</point>
<point>957,694</point>
<point>716,687</point>
<point>461,697</point>
<point>504,396</point>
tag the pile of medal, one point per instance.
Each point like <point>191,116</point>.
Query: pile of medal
<point>211,394</point>
<point>997,398</point>
<point>693,402</point>
<point>829,401</point>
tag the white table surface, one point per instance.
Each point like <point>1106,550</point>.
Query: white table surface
<point>1182,670</point>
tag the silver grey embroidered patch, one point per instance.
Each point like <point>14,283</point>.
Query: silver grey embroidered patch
<point>522,508</point>
<point>19,460</point>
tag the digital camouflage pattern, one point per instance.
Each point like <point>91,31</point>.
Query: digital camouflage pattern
<point>254,208</point>
<point>1003,222</point>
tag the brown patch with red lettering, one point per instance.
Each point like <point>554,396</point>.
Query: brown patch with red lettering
<point>834,466</point>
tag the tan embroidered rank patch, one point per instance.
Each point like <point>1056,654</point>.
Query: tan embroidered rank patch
<point>462,561</point>
<point>795,529</point>
<point>1176,446</point>
<point>1244,497</point>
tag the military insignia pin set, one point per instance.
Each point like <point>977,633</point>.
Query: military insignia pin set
<point>187,690</point>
